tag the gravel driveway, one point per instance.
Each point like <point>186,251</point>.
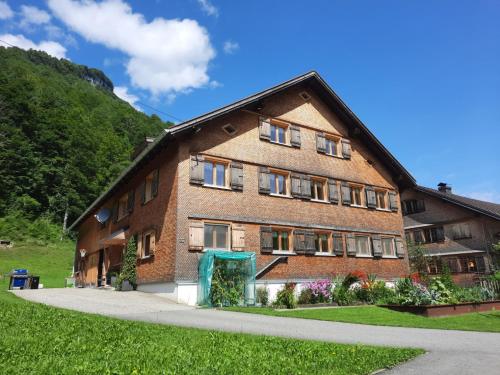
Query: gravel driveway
<point>457,352</point>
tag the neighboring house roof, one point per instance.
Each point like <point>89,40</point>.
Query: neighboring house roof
<point>486,208</point>
<point>311,80</point>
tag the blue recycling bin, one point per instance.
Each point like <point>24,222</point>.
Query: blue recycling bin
<point>18,278</point>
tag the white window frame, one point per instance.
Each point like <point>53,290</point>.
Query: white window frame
<point>276,173</point>
<point>329,240</point>
<point>392,245</point>
<point>286,132</point>
<point>214,240</point>
<point>358,254</point>
<point>361,188</point>
<point>214,163</point>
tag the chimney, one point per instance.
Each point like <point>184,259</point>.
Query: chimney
<point>141,146</point>
<point>443,187</point>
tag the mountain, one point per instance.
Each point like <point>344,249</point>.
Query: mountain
<point>64,135</point>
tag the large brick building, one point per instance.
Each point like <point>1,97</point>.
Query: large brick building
<point>289,173</point>
<point>453,229</point>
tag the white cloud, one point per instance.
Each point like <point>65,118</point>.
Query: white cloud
<point>230,47</point>
<point>164,55</point>
<point>123,93</point>
<point>5,11</point>
<point>209,8</point>
<point>55,32</point>
<point>33,16</point>
<point>52,48</point>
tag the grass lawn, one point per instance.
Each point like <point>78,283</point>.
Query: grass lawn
<point>52,262</point>
<point>486,322</point>
<point>42,339</point>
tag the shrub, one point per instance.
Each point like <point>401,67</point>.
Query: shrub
<point>128,271</point>
<point>343,296</point>
<point>305,297</point>
<point>263,295</point>
<point>409,292</point>
<point>286,297</point>
<point>321,291</point>
<point>372,292</point>
<point>441,287</point>
<point>228,283</point>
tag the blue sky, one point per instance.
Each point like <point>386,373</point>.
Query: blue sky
<point>422,75</point>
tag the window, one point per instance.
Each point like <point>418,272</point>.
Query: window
<point>429,235</point>
<point>281,240</point>
<point>388,249</point>
<point>279,132</point>
<point>356,195</point>
<point>229,129</point>
<point>318,189</point>
<point>148,244</point>
<point>381,199</point>
<point>123,207</point>
<point>331,146</point>
<point>215,173</point>
<point>321,242</point>
<point>216,236</point>
<point>461,231</point>
<point>413,206</point>
<point>362,245</point>
<point>278,183</point>
<point>150,186</point>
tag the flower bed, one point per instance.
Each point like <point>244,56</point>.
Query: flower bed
<point>431,311</point>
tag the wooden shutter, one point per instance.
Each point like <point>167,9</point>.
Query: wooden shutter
<point>138,245</point>
<point>298,241</point>
<point>264,129</point>
<point>377,246</point>
<point>346,148</point>
<point>320,143</point>
<point>155,182</point>
<point>152,245</point>
<point>338,244</point>
<point>266,240</point>
<point>351,245</point>
<point>346,193</point>
<point>400,248</point>
<point>371,198</point>
<point>197,168</point>
<point>439,234</point>
<point>131,201</point>
<point>264,181</point>
<point>196,235</point>
<point>295,136</point>
<point>305,185</point>
<point>142,192</point>
<point>333,191</point>
<point>238,237</point>
<point>310,246</point>
<point>236,176</point>
<point>393,203</point>
<point>114,212</point>
<point>296,186</point>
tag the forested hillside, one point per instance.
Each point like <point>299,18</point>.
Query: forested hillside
<point>64,135</point>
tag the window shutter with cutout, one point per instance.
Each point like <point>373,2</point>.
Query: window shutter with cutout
<point>310,245</point>
<point>320,143</point>
<point>155,183</point>
<point>371,198</point>
<point>131,201</point>
<point>238,237</point>
<point>236,176</point>
<point>351,245</point>
<point>400,248</point>
<point>305,185</point>
<point>333,192</point>
<point>296,186</point>
<point>298,241</point>
<point>295,136</point>
<point>266,240</point>
<point>346,193</point>
<point>393,203</point>
<point>338,244</point>
<point>346,148</point>
<point>196,235</point>
<point>264,181</point>
<point>377,246</point>
<point>197,167</point>
<point>264,129</point>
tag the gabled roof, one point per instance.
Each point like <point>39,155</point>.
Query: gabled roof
<point>485,208</point>
<point>311,80</point>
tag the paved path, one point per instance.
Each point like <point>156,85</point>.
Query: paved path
<point>456,352</point>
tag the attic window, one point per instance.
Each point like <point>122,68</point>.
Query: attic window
<point>229,129</point>
<point>304,95</point>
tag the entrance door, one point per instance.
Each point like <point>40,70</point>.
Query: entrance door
<point>100,267</point>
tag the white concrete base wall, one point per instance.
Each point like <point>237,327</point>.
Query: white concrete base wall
<point>185,293</point>
<point>274,286</point>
